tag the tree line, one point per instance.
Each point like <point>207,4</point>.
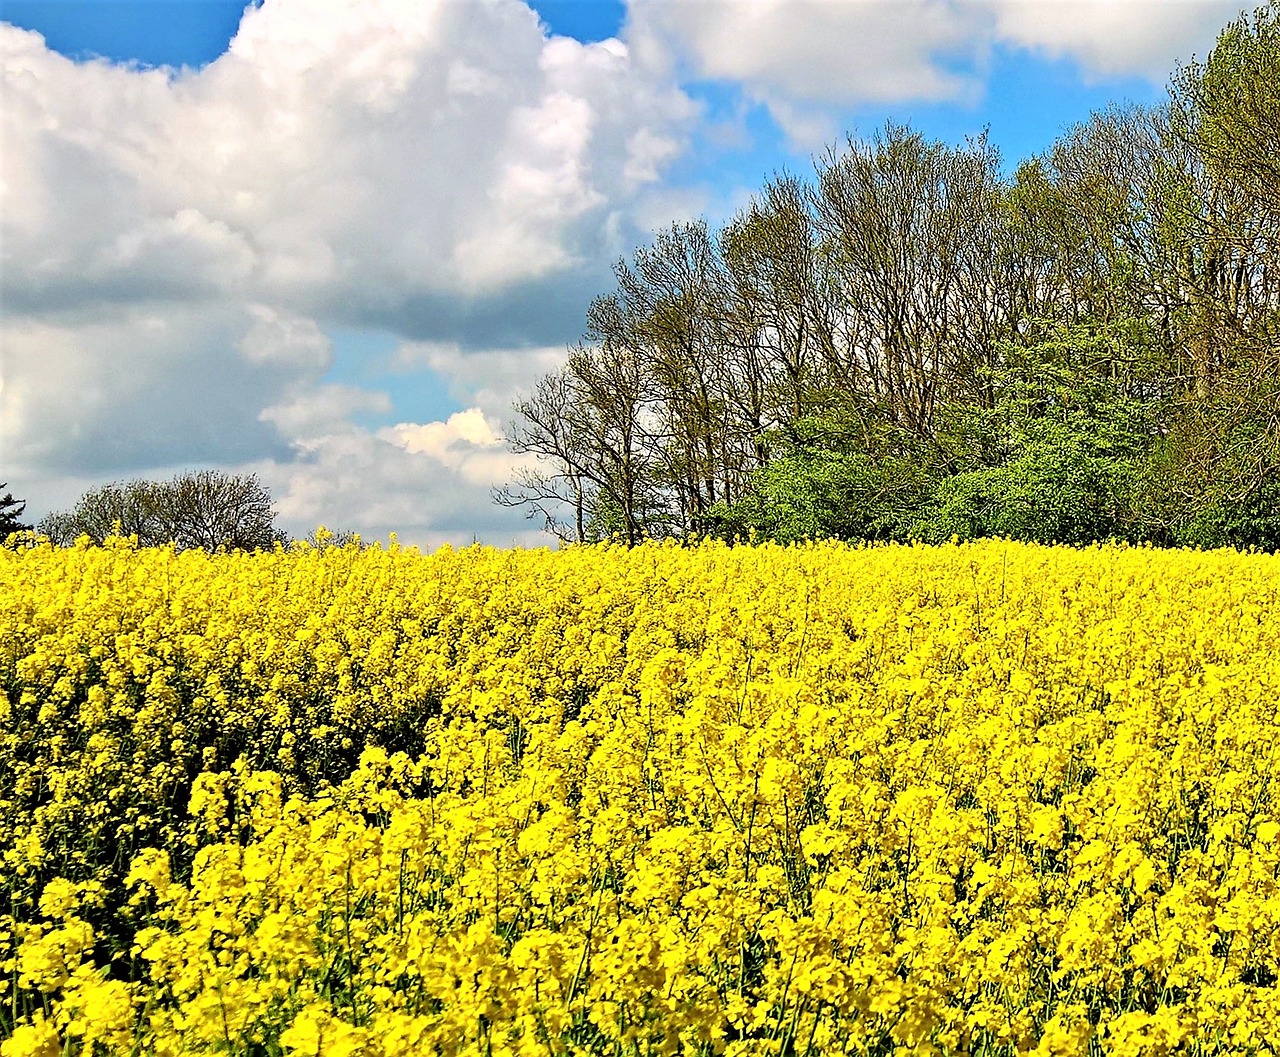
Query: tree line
<point>205,509</point>
<point>912,344</point>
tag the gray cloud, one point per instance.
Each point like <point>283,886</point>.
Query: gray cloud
<point>146,385</point>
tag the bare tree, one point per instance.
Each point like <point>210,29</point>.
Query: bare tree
<point>207,509</point>
<point>781,312</point>
<point>911,231</point>
<point>548,428</point>
<point>118,508</point>
<point>584,425</point>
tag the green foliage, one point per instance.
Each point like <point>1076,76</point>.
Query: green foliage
<point>822,494</point>
<point>609,518</point>
<point>1229,105</point>
<point>1057,458</point>
<point>1058,491</point>
<point>1249,521</point>
<point>1063,389</point>
<point>846,472</point>
<point>1213,480</point>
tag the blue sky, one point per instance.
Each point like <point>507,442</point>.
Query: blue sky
<point>1028,99</point>
<point>360,230</point>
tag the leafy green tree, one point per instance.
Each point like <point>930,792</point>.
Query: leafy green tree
<point>1224,112</point>
<point>1059,490</point>
<point>1059,456</point>
<point>1213,479</point>
<point>821,494</point>
<point>845,472</point>
<point>1228,106</point>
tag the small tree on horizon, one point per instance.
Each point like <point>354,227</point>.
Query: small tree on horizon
<point>207,509</point>
<point>10,510</point>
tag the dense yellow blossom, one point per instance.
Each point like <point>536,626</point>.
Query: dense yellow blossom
<point>981,799</point>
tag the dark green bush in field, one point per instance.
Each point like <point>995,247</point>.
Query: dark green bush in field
<point>822,494</point>
<point>1058,458</point>
<point>843,474</point>
<point>1064,493</point>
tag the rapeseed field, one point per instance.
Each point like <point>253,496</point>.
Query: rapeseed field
<point>986,799</point>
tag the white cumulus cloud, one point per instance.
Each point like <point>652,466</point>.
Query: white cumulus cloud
<point>817,50</point>
<point>369,154</point>
<point>806,59</point>
<point>175,246</point>
<point>1114,38</point>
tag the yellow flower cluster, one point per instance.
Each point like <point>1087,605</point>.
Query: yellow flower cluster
<point>989,799</point>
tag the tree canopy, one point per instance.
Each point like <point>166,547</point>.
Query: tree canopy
<point>205,509</point>
<point>913,344</point>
